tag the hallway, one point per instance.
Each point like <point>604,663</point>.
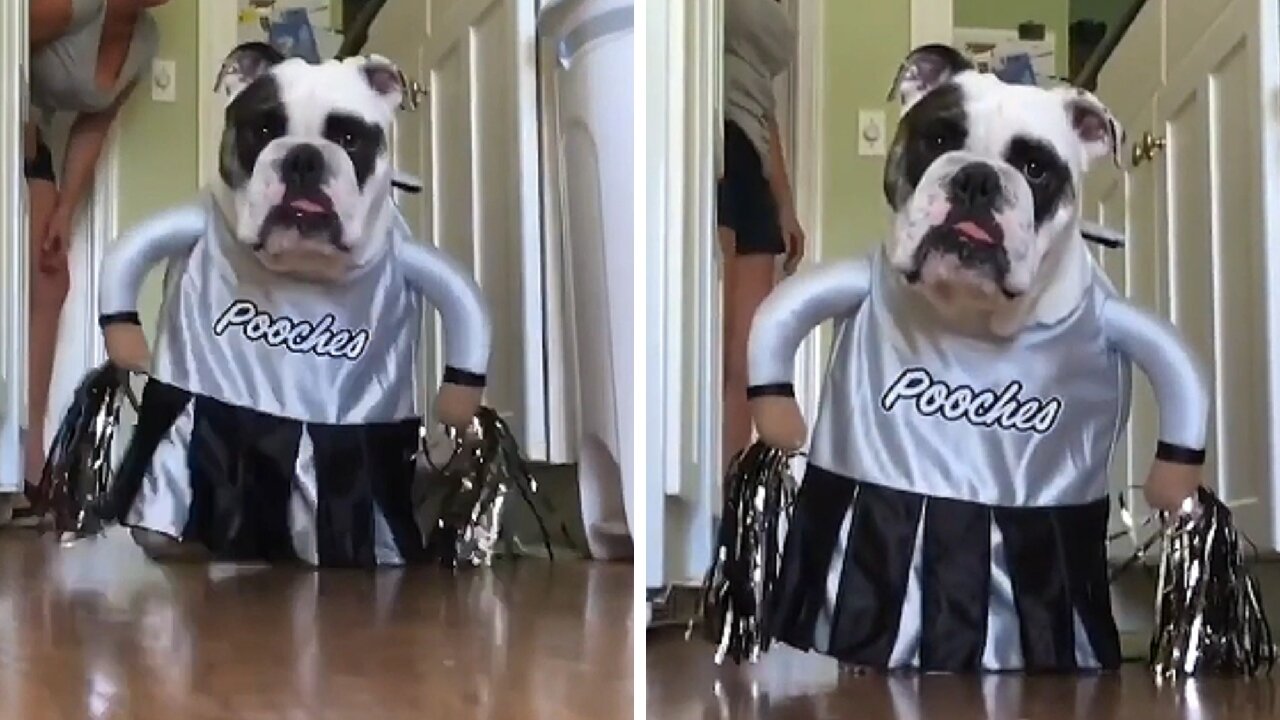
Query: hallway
<point>97,631</point>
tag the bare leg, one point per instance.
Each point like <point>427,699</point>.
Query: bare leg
<point>50,282</point>
<point>748,280</point>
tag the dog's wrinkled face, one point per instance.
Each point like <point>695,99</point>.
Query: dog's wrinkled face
<point>984,179</point>
<point>304,159</point>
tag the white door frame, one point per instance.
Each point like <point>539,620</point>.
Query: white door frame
<point>13,245</point>
<point>219,33</point>
<point>932,21</point>
<point>683,479</point>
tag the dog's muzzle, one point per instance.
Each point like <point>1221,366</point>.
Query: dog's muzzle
<point>305,207</point>
<point>970,232</point>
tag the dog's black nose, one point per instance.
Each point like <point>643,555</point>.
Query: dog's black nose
<point>303,167</point>
<point>976,186</point>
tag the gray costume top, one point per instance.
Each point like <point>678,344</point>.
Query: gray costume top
<point>63,72</point>
<point>337,353</point>
<point>759,44</point>
<point>1024,421</point>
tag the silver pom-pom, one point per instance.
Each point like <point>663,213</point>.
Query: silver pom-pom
<point>75,486</point>
<point>1209,614</point>
<point>738,591</point>
<point>486,464</point>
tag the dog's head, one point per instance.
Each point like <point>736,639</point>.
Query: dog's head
<point>984,179</point>
<point>304,160</point>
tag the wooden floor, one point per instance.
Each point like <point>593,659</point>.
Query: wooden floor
<point>685,684</point>
<point>96,631</point>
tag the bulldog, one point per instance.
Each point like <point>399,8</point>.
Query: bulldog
<point>954,511</point>
<point>984,181</point>
<point>289,331</point>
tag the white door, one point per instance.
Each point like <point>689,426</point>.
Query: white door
<point>1125,199</point>
<point>1211,115</point>
<point>473,141</point>
<point>13,243</point>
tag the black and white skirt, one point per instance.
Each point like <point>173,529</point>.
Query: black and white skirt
<point>889,580</point>
<point>251,486</point>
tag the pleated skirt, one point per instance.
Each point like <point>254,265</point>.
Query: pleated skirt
<point>891,580</point>
<point>250,486</point>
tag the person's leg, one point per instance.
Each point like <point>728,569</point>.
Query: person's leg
<point>748,280</point>
<point>49,283</point>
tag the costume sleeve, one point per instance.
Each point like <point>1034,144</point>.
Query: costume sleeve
<point>1181,390</point>
<point>468,332</point>
<point>791,311</point>
<point>132,256</point>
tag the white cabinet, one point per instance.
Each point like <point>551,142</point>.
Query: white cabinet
<point>1199,213</point>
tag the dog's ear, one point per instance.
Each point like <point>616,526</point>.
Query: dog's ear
<point>385,78</point>
<point>1098,130</point>
<point>246,63</point>
<point>926,68</point>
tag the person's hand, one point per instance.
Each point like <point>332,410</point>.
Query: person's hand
<point>127,347</point>
<point>1169,484</point>
<point>456,405</point>
<point>793,237</point>
<point>56,240</point>
<point>779,422</point>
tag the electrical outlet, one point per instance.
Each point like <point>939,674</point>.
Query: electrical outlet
<point>871,133</point>
<point>164,80</point>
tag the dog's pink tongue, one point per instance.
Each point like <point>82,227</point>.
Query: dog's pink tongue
<point>306,206</point>
<point>974,232</point>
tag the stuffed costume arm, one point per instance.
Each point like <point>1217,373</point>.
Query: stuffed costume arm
<point>131,257</point>
<point>1182,396</point>
<point>786,316</point>
<point>468,331</point>
<point>124,269</point>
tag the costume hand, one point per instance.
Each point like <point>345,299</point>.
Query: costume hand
<point>456,405</point>
<point>779,422</point>
<point>56,240</point>
<point>127,347</point>
<point>793,237</point>
<point>1169,484</point>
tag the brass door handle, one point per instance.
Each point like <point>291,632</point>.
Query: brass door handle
<point>414,92</point>
<point>1145,149</point>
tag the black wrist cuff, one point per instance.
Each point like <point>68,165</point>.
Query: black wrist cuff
<point>456,376</point>
<point>776,389</point>
<point>1182,455</point>
<point>129,318</point>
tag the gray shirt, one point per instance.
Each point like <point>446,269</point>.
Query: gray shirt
<point>1024,421</point>
<point>63,73</point>
<point>759,44</point>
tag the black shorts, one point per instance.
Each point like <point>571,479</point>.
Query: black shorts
<point>40,167</point>
<point>744,200</point>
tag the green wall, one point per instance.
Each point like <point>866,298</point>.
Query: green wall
<point>864,45</point>
<point>159,142</point>
<point>1054,14</point>
<point>1108,11</point>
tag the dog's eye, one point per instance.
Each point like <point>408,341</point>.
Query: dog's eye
<point>349,142</point>
<point>1034,171</point>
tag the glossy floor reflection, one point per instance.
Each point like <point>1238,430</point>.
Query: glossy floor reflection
<point>684,684</point>
<point>96,631</point>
